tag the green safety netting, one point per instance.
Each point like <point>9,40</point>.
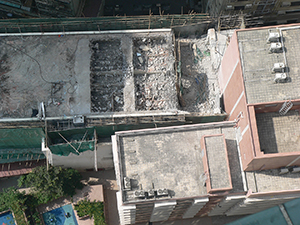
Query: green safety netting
<point>20,155</point>
<point>66,149</point>
<point>21,138</point>
<point>71,141</point>
<point>21,144</point>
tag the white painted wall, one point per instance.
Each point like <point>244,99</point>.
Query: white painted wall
<point>86,160</point>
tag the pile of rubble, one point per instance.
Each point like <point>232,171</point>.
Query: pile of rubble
<point>200,60</point>
<point>107,93</point>
<point>155,91</point>
<point>152,54</point>
<point>106,55</point>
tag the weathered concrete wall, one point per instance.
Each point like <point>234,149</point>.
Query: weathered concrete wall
<point>86,160</point>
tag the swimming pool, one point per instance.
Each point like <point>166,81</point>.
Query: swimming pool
<point>61,216</point>
<point>7,218</point>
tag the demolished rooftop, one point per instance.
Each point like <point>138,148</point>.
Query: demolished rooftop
<point>84,74</point>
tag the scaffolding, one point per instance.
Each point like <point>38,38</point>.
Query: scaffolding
<point>100,23</point>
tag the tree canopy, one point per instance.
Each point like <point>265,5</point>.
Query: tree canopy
<point>51,184</point>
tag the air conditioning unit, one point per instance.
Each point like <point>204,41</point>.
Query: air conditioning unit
<point>78,120</point>
<point>139,194</point>
<point>273,37</point>
<point>248,6</point>
<point>285,4</point>
<point>278,67</point>
<point>275,47</point>
<point>162,192</point>
<point>151,193</point>
<point>296,170</point>
<point>283,171</point>
<point>229,7</point>
<point>279,77</point>
<point>127,184</point>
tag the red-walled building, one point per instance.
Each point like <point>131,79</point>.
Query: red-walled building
<point>259,81</point>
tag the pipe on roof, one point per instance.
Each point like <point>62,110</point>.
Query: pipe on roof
<point>87,32</point>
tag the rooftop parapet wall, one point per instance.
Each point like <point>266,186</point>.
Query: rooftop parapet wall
<point>137,143</point>
<point>215,147</point>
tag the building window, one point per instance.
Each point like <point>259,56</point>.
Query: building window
<point>239,7</point>
<point>271,105</point>
<point>295,3</point>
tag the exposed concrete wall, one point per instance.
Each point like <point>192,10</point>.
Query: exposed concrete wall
<point>86,160</point>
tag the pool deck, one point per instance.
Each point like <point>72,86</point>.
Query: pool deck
<point>90,192</point>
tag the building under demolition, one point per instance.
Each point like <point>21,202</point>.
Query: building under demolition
<point>242,166</point>
<point>64,94</point>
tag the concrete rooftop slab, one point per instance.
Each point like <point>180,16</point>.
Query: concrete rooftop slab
<point>219,174</point>
<point>86,74</point>
<point>171,158</point>
<point>257,64</point>
<point>272,180</point>
<point>278,134</point>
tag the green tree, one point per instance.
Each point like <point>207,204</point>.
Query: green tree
<point>92,209</point>
<point>11,199</point>
<point>51,184</point>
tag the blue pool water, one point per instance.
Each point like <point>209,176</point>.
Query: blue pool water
<point>60,216</point>
<point>7,219</point>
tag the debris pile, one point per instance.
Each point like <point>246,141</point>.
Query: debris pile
<point>155,91</point>
<point>106,55</point>
<point>199,83</point>
<point>152,54</point>
<point>107,93</point>
<point>106,85</point>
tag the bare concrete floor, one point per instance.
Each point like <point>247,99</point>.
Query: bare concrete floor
<point>278,134</point>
